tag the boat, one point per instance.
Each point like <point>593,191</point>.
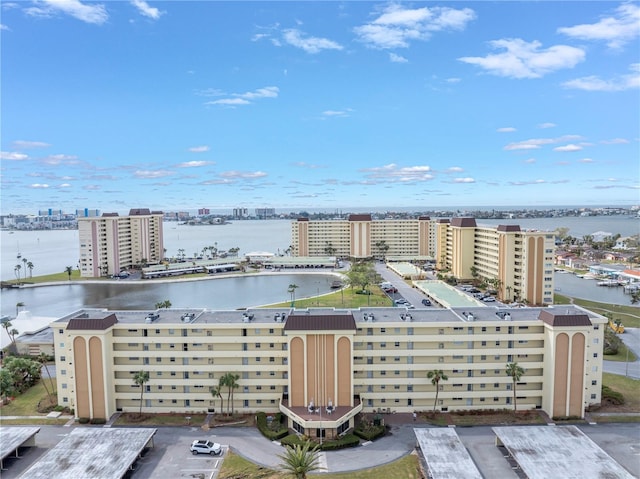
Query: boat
<point>336,284</point>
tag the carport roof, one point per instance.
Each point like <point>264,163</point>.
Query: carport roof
<point>445,455</point>
<point>11,438</point>
<point>103,453</point>
<point>558,451</point>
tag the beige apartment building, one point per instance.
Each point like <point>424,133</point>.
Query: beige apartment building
<point>112,243</point>
<point>321,367</point>
<point>359,236</point>
<point>520,261</point>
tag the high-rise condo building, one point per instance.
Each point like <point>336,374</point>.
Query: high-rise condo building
<point>519,263</point>
<point>111,243</point>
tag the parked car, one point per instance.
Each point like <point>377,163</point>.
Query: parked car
<point>426,302</point>
<point>489,299</point>
<point>401,301</point>
<point>203,446</point>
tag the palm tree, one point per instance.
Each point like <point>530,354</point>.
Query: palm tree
<point>166,304</point>
<point>300,460</point>
<point>24,262</point>
<point>216,392</point>
<point>30,267</point>
<point>12,333</point>
<point>19,305</point>
<point>436,376</point>
<point>292,292</point>
<point>16,270</point>
<point>140,378</point>
<point>43,359</point>
<point>516,372</point>
<point>230,381</point>
<point>69,271</point>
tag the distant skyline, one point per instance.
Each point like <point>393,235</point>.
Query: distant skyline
<point>318,105</point>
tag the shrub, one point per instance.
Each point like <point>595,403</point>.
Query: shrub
<point>83,420</point>
<point>274,429</point>
<point>368,431</point>
<point>348,440</point>
<point>98,420</point>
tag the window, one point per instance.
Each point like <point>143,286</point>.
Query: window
<point>593,396</point>
<point>397,344</point>
<point>497,343</point>
<point>64,385</point>
<point>497,329</point>
<point>60,331</point>
<point>383,345</point>
<point>63,372</point>
<point>483,329</point>
<point>594,383</point>
<point>596,326</point>
<point>62,358</point>
<point>483,357</point>
<point>595,355</point>
<point>596,340</point>
<point>483,343</point>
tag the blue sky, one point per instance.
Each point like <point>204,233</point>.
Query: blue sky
<point>325,105</point>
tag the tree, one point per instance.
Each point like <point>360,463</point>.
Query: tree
<point>292,292</point>
<point>166,304</point>
<point>230,381</point>
<point>216,392</point>
<point>11,332</point>
<point>436,376</point>
<point>24,372</point>
<point>140,378</point>
<point>19,305</point>
<point>69,271</point>
<point>362,274</point>
<point>329,250</point>
<point>16,270</point>
<point>474,274</point>
<point>516,372</point>
<point>7,387</point>
<point>635,296</point>
<point>300,460</point>
<point>30,267</point>
<point>43,359</point>
<point>382,247</point>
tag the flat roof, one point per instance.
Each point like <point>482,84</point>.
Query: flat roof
<point>12,437</point>
<point>445,455</point>
<point>264,316</point>
<point>98,453</point>
<point>447,295</point>
<point>558,451</point>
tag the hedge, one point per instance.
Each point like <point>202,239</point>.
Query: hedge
<point>273,430</point>
<point>370,433</point>
<point>348,440</point>
<point>614,397</point>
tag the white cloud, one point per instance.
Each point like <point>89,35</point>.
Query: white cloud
<point>535,143</point>
<point>453,80</point>
<point>151,174</point>
<point>615,141</point>
<point>243,174</point>
<point>570,148</point>
<point>585,160</point>
<point>619,83</point>
<point>393,173</point>
<point>64,185</point>
<point>37,186</point>
<point>4,27</point>
<point>60,159</point>
<point>397,26</point>
<point>526,59</point>
<point>193,164</point>
<point>529,161</point>
<point>615,30</point>
<point>337,113</point>
<point>547,125</point>
<point>506,129</point>
<point>454,169</point>
<point>93,13</point>
<point>395,58</point>
<point>243,98</point>
<point>229,101</point>
<point>146,10</point>
<point>25,145</point>
<point>309,44</point>
<point>464,180</point>
<point>199,149</point>
<point>13,156</point>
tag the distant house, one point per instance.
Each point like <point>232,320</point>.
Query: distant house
<point>34,334</point>
<point>625,243</point>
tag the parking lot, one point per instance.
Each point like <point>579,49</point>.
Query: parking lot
<point>171,458</point>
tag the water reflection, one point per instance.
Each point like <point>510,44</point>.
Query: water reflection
<point>222,294</point>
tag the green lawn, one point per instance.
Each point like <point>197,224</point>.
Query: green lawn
<point>50,278</point>
<point>235,467</point>
<point>27,403</point>
<point>131,419</point>
<point>624,354</point>
<point>630,315</point>
<point>629,387</point>
<point>347,298</point>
